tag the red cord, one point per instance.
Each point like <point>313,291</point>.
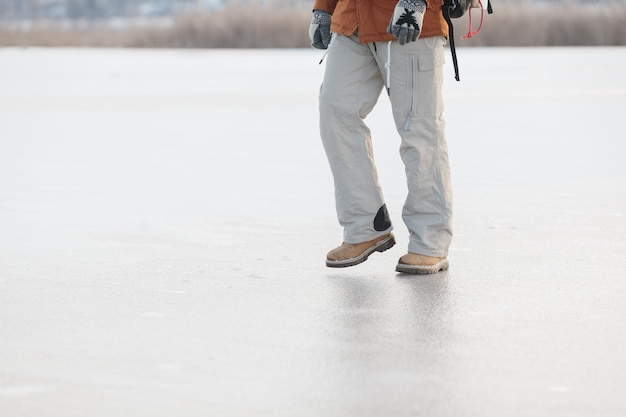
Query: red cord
<point>470,33</point>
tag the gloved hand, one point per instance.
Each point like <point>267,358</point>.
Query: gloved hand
<point>406,22</point>
<point>319,31</point>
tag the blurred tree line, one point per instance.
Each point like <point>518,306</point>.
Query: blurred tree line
<point>281,23</point>
<point>98,9</point>
<point>71,9</point>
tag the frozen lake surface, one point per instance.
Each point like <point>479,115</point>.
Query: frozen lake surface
<point>164,218</point>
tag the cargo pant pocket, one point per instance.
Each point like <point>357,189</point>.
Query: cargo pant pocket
<point>422,84</point>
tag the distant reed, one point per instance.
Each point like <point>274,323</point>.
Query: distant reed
<point>512,24</point>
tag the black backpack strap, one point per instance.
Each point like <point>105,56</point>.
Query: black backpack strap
<point>446,15</point>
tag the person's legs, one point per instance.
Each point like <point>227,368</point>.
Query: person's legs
<point>351,87</point>
<point>416,98</point>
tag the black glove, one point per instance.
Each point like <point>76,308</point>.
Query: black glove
<point>406,22</point>
<point>319,31</point>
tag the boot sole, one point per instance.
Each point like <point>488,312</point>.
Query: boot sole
<point>442,265</point>
<point>380,246</point>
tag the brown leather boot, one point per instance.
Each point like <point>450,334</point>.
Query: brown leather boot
<point>413,263</point>
<point>349,254</point>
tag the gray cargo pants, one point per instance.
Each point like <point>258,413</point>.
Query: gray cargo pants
<point>354,78</point>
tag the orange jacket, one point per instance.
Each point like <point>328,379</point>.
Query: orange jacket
<point>371,18</point>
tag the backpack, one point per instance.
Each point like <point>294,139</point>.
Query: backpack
<point>454,9</point>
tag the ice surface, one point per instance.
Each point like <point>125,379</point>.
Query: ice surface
<point>164,217</point>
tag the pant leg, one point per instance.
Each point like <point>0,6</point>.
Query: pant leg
<point>351,87</point>
<point>417,104</point>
